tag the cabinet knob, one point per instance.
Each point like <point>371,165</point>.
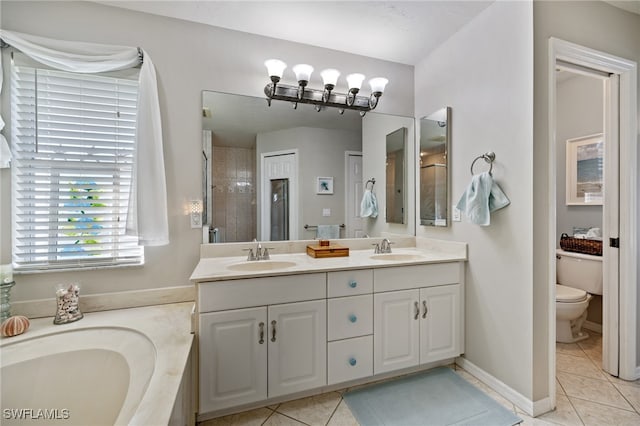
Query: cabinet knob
<point>353,284</point>
<point>426,310</point>
<point>352,361</point>
<point>353,318</point>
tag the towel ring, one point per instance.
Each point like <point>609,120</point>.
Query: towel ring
<point>371,181</point>
<point>489,157</point>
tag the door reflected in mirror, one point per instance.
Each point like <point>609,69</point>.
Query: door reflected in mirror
<point>435,137</point>
<point>395,174</point>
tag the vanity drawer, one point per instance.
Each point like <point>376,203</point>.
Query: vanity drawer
<point>349,359</point>
<point>350,317</point>
<point>350,283</point>
<point>407,277</point>
<point>249,292</point>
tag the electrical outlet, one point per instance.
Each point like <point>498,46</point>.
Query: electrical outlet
<point>455,216</point>
<point>326,212</point>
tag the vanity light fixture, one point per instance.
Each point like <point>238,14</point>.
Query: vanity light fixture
<point>325,97</point>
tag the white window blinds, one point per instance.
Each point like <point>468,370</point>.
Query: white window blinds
<point>73,143</point>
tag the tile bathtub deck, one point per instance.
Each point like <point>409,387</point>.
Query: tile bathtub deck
<point>585,396</point>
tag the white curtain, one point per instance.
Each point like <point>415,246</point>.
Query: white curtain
<point>147,216</point>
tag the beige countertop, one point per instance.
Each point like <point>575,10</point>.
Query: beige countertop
<point>168,327</point>
<point>224,268</point>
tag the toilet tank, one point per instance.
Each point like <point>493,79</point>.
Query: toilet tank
<point>579,270</point>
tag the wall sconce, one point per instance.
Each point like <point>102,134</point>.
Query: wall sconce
<point>195,213</point>
<point>325,97</point>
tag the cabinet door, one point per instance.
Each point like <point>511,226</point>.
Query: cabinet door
<point>297,347</point>
<point>233,358</point>
<point>395,330</point>
<point>439,323</point>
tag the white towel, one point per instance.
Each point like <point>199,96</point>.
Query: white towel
<point>482,197</point>
<point>369,204</point>
<point>326,232</point>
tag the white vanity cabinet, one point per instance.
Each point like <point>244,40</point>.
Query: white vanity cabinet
<point>248,355</point>
<point>233,358</point>
<point>263,338</point>
<point>418,315</point>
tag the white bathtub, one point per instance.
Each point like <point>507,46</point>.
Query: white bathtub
<point>110,368</point>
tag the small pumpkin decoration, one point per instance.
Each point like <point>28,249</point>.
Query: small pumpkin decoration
<point>14,325</point>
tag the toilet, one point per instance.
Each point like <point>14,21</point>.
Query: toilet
<point>578,276</point>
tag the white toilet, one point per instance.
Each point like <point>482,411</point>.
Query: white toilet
<point>578,276</point>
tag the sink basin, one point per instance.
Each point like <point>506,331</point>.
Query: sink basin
<point>261,265</point>
<point>398,257</point>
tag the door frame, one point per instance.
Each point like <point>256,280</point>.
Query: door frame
<point>623,317</point>
<point>347,179</point>
<point>293,193</point>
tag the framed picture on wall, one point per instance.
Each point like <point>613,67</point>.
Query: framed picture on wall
<point>324,185</point>
<point>585,166</point>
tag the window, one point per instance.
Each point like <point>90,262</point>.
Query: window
<point>73,143</point>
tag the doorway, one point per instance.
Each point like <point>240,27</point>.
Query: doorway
<point>619,205</point>
<point>279,195</point>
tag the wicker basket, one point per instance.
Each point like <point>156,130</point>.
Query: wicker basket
<point>581,245</point>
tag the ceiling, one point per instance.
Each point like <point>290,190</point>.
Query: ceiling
<point>398,31</point>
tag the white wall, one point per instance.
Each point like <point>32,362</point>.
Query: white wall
<point>485,74</point>
<point>580,103</point>
<point>188,58</point>
<point>599,26</point>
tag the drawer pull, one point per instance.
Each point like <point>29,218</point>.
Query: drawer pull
<point>353,284</point>
<point>424,305</point>
<point>273,330</point>
<point>417,306</point>
<point>353,318</point>
<point>261,325</point>
<point>352,362</point>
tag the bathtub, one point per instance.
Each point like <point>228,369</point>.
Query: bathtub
<point>110,368</point>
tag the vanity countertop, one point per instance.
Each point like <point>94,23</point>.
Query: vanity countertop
<point>227,268</point>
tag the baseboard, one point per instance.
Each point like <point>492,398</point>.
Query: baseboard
<point>531,408</point>
<point>593,326</point>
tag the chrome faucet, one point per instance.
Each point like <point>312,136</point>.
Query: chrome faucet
<point>385,246</point>
<point>259,253</point>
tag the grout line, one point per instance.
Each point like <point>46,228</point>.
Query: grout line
<point>603,404</point>
<point>292,418</point>
<point>334,410</point>
<point>268,417</point>
<point>575,410</point>
<point>626,399</point>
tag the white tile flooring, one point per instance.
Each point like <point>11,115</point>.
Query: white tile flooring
<point>585,396</point>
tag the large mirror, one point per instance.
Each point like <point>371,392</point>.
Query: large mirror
<point>395,175</point>
<point>279,173</point>
<point>435,137</point>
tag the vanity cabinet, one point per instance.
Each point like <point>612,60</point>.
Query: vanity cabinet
<point>417,316</point>
<point>251,354</point>
<point>264,338</point>
<point>233,358</point>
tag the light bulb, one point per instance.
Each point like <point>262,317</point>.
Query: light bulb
<point>354,81</point>
<point>378,84</point>
<point>330,77</point>
<point>275,67</point>
<point>303,72</point>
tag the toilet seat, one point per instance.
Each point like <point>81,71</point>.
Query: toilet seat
<point>569,294</point>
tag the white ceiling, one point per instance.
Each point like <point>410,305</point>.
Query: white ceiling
<point>397,31</point>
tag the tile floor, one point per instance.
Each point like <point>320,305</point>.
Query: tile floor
<point>585,396</point>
